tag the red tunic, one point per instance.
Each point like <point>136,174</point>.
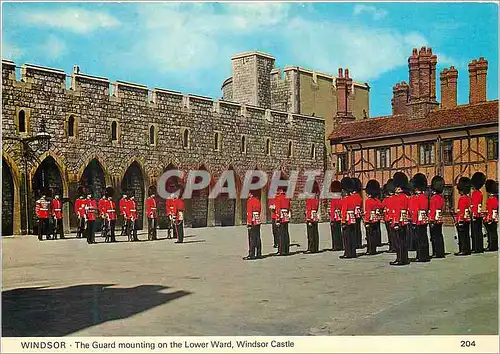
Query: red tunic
<point>253,211</point>
<point>371,207</point>
<point>492,209</point>
<point>399,205</point>
<point>151,208</point>
<point>123,205</point>
<point>312,205</point>
<point>80,207</point>
<point>283,208</point>
<point>335,208</point>
<point>412,208</point>
<point>56,207</point>
<point>358,202</point>
<point>463,209</point>
<point>179,205</point>
<point>91,209</point>
<point>101,205</point>
<point>170,207</point>
<point>43,211</point>
<point>387,209</point>
<point>274,214</point>
<point>436,209</point>
<point>421,209</point>
<point>131,210</point>
<point>111,209</point>
<point>476,201</point>
<point>348,205</point>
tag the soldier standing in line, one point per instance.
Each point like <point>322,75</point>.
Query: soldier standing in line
<point>170,211</point>
<point>420,217</point>
<point>399,204</point>
<point>80,212</point>
<point>179,220</point>
<point>111,211</point>
<point>253,225</point>
<point>380,213</point>
<point>284,215</point>
<point>463,217</point>
<point>101,206</point>
<point>491,219</point>
<point>90,215</point>
<point>151,213</point>
<point>122,205</point>
<point>372,204</point>
<point>274,217</point>
<point>412,237</point>
<point>312,219</point>
<point>358,213</point>
<point>348,218</point>
<point>57,215</point>
<point>131,218</point>
<point>435,217</point>
<point>477,182</point>
<point>389,215</point>
<point>335,217</point>
<point>42,213</point>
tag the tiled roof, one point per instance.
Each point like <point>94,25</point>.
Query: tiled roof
<point>460,116</point>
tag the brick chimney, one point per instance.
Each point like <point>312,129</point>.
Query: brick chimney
<point>349,88</point>
<point>449,79</point>
<point>414,75</point>
<point>344,86</point>
<point>400,93</point>
<point>481,70</point>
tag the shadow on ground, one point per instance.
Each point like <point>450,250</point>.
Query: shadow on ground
<point>40,311</point>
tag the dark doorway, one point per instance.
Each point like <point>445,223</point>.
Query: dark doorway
<point>133,182</point>
<point>7,200</point>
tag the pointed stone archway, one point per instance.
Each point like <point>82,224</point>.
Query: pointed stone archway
<point>133,182</point>
<point>225,207</point>
<point>197,208</point>
<point>8,193</point>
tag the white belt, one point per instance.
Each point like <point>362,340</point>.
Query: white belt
<point>111,211</point>
<point>132,209</point>
<point>55,209</point>
<point>43,209</point>
<point>153,208</point>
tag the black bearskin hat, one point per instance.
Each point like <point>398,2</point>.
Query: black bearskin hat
<point>48,193</point>
<point>437,184</point>
<point>373,187</point>
<point>419,182</point>
<point>410,188</point>
<point>478,180</point>
<point>110,192</point>
<point>400,180</point>
<point>491,186</point>
<point>464,184</point>
<point>336,187</point>
<point>358,187</point>
<point>390,187</point>
<point>151,190</point>
<point>80,191</point>
<point>89,191</point>
<point>347,184</point>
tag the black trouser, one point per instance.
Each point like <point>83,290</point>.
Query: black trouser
<point>124,226</point>
<point>349,237</point>
<point>275,233</point>
<point>170,226</point>
<point>371,238</point>
<point>422,244</point>
<point>491,229</point>
<point>437,240</point>
<point>359,237</point>
<point>336,230</point>
<point>254,242</point>
<point>90,231</point>
<point>477,235</point>
<point>131,230</point>
<point>179,231</point>
<point>284,239</point>
<point>81,228</point>
<point>412,239</point>
<point>112,225</point>
<point>58,228</point>
<point>43,229</point>
<point>391,236</point>
<point>401,244</point>
<point>378,234</point>
<point>105,230</point>
<point>312,237</point>
<point>151,229</point>
<point>464,237</point>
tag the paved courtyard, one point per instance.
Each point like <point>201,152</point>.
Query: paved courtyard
<point>203,287</point>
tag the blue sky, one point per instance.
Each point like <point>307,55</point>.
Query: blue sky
<point>187,46</point>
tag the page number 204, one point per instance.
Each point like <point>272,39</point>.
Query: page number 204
<point>467,343</point>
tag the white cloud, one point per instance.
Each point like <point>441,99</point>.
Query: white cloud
<point>75,20</point>
<point>377,14</point>
<point>53,48</point>
<point>11,51</point>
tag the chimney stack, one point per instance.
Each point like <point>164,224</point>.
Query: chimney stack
<point>344,87</point>
<point>472,81</point>
<point>349,92</point>
<point>481,71</point>
<point>414,75</point>
<point>400,98</point>
<point>449,79</point>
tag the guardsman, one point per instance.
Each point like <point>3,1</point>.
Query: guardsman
<point>372,204</point>
<point>151,213</point>
<point>435,217</point>
<point>335,217</point>
<point>101,207</point>
<point>170,211</point>
<point>284,215</point>
<point>131,214</point>
<point>80,212</point>
<point>253,225</point>
<point>274,218</point>
<point>463,217</point>
<point>348,218</point>
<point>111,211</point>
<point>358,213</point>
<point>412,237</point>
<point>399,205</point>
<point>91,211</point>
<point>122,204</point>
<point>389,189</point>
<point>57,215</point>
<point>42,207</point>
<point>312,219</point>
<point>491,217</point>
<point>380,216</point>
<point>179,220</point>
<point>421,217</point>
<point>477,182</point>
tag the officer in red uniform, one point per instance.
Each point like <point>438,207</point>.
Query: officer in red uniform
<point>389,189</point>
<point>284,215</point>
<point>57,216</point>
<point>274,218</point>
<point>122,205</point>
<point>348,219</point>
<point>372,204</point>
<point>421,217</point>
<point>335,217</point>
<point>463,217</point>
<point>412,237</point>
<point>253,225</point>
<point>171,211</point>
<point>312,219</point>
<point>42,210</point>
<point>380,213</point>
<point>91,211</point>
<point>111,214</point>
<point>101,207</point>
<point>491,218</point>
<point>435,217</point>
<point>399,206</point>
<point>131,214</point>
<point>80,212</point>
<point>151,213</point>
<point>358,213</point>
<point>179,220</point>
<point>477,182</point>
